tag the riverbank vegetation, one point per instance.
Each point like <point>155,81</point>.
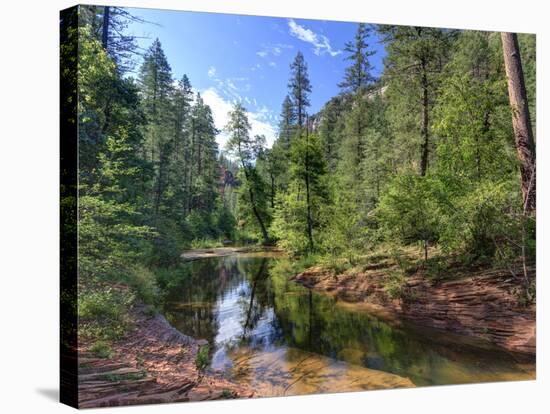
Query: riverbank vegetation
<point>428,156</point>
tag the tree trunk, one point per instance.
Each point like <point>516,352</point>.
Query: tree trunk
<point>105,32</point>
<point>160,182</point>
<point>191,162</point>
<point>308,197</point>
<point>253,202</point>
<point>425,148</point>
<point>258,275</point>
<point>521,121</point>
<point>257,215</point>
<point>272,189</point>
<point>287,134</point>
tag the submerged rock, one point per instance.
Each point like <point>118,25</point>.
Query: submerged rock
<point>291,371</point>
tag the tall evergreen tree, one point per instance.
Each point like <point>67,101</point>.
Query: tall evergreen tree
<point>413,65</point>
<point>181,162</point>
<point>299,88</point>
<point>331,127</point>
<point>521,120</point>
<point>358,75</point>
<point>204,159</point>
<point>287,124</point>
<point>157,90</point>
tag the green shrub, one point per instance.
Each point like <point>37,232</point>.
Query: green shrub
<point>335,263</point>
<point>102,349</point>
<point>486,223</point>
<point>167,244</point>
<point>200,224</point>
<point>409,211</point>
<point>227,393</point>
<point>206,243</point>
<point>202,359</point>
<point>437,268</point>
<point>143,281</point>
<point>107,238</point>
<point>395,284</point>
<point>224,222</point>
<point>104,314</point>
<point>132,376</point>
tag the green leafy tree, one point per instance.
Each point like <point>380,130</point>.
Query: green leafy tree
<point>409,210</point>
<point>298,219</point>
<point>247,148</point>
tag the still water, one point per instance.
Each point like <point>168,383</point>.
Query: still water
<point>284,339</point>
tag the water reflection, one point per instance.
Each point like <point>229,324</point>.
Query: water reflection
<point>285,339</point>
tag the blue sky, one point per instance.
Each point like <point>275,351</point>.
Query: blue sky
<point>234,57</point>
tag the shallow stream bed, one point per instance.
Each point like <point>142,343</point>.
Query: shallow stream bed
<point>283,339</point>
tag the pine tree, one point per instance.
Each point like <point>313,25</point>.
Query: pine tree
<point>204,159</point>
<point>414,62</point>
<point>331,127</point>
<point>299,88</point>
<point>183,98</point>
<point>109,25</point>
<point>525,142</point>
<point>157,90</point>
<point>358,75</point>
<point>287,124</point>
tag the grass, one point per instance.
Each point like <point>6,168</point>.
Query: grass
<point>201,360</point>
<point>102,349</point>
<point>150,311</point>
<point>227,393</point>
<point>335,264</point>
<point>395,284</point>
<point>104,304</point>
<point>133,376</point>
<point>206,243</point>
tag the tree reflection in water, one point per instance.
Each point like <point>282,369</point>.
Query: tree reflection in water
<point>261,325</point>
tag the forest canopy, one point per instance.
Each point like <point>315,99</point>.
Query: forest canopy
<point>423,156</point>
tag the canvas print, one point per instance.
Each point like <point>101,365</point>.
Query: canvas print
<point>257,207</point>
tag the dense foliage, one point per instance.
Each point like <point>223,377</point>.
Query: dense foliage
<point>422,156</point>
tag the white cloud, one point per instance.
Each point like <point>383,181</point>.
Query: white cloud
<point>229,86</point>
<point>273,50</point>
<point>261,127</point>
<point>321,43</point>
<point>272,64</point>
<point>259,120</point>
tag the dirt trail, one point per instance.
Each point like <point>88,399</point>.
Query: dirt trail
<point>154,364</point>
